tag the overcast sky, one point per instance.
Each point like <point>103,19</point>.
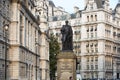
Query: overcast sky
<point>69,4</point>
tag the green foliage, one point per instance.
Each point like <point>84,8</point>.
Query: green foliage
<point>54,50</point>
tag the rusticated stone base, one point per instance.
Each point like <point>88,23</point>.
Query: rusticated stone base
<point>66,65</point>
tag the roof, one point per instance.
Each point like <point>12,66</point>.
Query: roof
<point>99,3</point>
<point>118,5</point>
<point>51,3</point>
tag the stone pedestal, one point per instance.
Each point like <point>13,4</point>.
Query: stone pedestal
<point>66,66</point>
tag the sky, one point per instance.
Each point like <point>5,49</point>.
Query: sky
<point>69,4</point>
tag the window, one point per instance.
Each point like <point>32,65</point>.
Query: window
<point>95,17</point>
<point>21,29</point>
<point>78,66</point>
<point>87,45</point>
<point>92,35</point>
<point>95,34</point>
<point>91,45</point>
<point>87,35</point>
<point>92,50</point>
<point>91,17</point>
<point>96,66</point>
<point>114,33</point>
<point>96,75</point>
<point>88,18</point>
<point>96,59</point>
<point>118,23</point>
<point>91,59</point>
<point>87,50</point>
<point>95,28</point>
<point>91,29</point>
<point>92,67</point>
<point>96,45</point>
<point>114,49</point>
<point>22,71</point>
<point>87,29</point>
<point>88,59</point>
<point>87,67</point>
<point>96,49</point>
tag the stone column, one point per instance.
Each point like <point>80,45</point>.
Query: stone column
<point>66,65</point>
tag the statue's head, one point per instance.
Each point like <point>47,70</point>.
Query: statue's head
<point>66,22</point>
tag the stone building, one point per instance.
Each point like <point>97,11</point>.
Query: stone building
<point>24,48</point>
<point>96,38</point>
<point>24,51</point>
<point>4,19</point>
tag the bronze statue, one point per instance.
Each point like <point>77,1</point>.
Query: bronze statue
<point>67,37</point>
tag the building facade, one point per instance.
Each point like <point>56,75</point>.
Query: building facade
<point>24,48</point>
<point>4,19</point>
<point>24,53</point>
<point>96,38</point>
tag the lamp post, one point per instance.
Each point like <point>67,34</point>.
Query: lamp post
<point>6,26</point>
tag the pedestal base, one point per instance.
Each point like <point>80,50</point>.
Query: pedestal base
<point>66,66</point>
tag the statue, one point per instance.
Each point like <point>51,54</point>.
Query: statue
<point>67,37</point>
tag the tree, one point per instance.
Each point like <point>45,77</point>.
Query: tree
<point>54,50</point>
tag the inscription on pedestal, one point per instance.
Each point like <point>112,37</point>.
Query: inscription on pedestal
<point>66,67</point>
<point>66,70</point>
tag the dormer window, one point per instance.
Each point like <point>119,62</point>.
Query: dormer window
<point>91,6</point>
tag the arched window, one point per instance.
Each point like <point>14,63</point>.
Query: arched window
<point>88,18</point>
<point>95,17</point>
<point>91,17</point>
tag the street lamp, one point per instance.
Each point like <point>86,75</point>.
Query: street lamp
<point>5,27</point>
